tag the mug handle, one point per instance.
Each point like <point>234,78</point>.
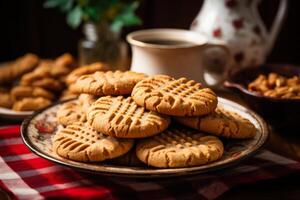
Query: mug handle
<point>216,61</point>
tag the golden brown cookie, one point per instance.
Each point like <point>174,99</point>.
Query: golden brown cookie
<point>19,92</point>
<point>66,60</point>
<point>54,69</point>
<point>44,67</point>
<point>86,100</point>
<point>59,71</point>
<point>74,111</point>
<point>36,75</point>
<point>221,122</point>
<point>62,65</point>
<point>80,142</point>
<point>43,70</point>
<point>6,100</point>
<point>179,147</point>
<point>177,97</point>
<point>121,117</point>
<point>17,68</point>
<point>31,104</point>
<point>107,83</point>
<point>70,112</point>
<point>67,94</point>
<point>49,84</point>
<point>85,70</point>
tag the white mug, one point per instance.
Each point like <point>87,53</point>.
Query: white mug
<point>179,53</point>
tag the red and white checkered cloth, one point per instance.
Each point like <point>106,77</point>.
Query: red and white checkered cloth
<point>23,175</point>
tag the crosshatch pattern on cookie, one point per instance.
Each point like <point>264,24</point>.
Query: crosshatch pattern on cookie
<point>122,117</point>
<point>75,111</point>
<point>179,147</point>
<point>71,112</point>
<point>80,142</point>
<point>221,122</point>
<point>178,97</point>
<point>107,83</point>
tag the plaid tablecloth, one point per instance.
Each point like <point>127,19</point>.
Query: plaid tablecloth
<point>23,175</point>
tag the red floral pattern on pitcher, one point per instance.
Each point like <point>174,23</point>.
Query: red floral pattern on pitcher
<point>217,33</point>
<point>230,3</point>
<point>238,23</point>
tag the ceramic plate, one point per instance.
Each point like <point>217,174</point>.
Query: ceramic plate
<point>38,130</point>
<point>11,114</point>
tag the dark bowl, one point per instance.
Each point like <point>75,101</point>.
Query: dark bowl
<point>282,114</point>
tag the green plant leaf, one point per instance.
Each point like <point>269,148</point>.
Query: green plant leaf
<point>51,3</point>
<point>126,17</point>
<point>64,5</point>
<point>67,5</point>
<point>74,17</point>
<point>130,19</point>
<point>116,26</point>
<point>91,13</point>
<point>117,13</point>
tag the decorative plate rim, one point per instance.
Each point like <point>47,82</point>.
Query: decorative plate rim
<point>129,171</point>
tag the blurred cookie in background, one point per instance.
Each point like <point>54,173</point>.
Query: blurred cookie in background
<point>14,69</point>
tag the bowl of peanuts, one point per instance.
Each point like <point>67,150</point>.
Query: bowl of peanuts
<point>271,90</point>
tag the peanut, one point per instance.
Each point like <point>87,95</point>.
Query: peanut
<point>276,86</point>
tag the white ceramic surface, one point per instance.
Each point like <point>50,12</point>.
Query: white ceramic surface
<point>238,24</point>
<point>188,59</point>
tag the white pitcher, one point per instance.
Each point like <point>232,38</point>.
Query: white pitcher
<point>237,23</point>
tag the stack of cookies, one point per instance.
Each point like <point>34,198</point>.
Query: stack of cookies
<point>37,83</point>
<point>12,71</point>
<point>126,117</point>
<point>40,87</point>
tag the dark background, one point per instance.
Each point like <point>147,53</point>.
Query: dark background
<point>25,26</point>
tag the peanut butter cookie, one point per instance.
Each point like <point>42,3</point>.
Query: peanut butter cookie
<point>66,60</point>
<point>177,97</point>
<point>107,83</point>
<point>221,122</point>
<point>6,100</point>
<point>85,70</point>
<point>80,142</point>
<point>19,92</point>
<point>67,94</point>
<point>49,84</point>
<point>179,147</point>
<point>17,68</point>
<point>31,104</point>
<point>121,117</point>
<point>74,111</point>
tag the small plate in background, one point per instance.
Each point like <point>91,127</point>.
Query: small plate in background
<point>14,115</point>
